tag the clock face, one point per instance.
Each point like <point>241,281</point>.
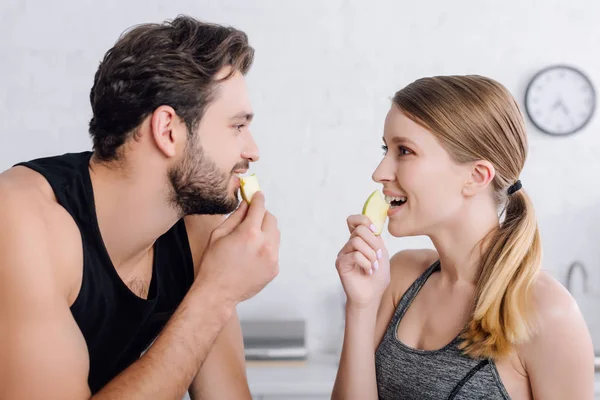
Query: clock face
<point>560,100</point>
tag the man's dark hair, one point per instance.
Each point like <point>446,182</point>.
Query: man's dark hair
<point>173,63</point>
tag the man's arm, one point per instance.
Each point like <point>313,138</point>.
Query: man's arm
<point>223,374</point>
<point>201,316</point>
<point>43,352</point>
<point>166,370</point>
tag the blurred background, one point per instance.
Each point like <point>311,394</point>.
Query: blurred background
<point>321,85</point>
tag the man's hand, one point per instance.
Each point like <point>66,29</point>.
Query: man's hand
<point>242,255</point>
<point>223,373</point>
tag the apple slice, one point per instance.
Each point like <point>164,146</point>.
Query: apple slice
<point>376,209</point>
<point>248,186</point>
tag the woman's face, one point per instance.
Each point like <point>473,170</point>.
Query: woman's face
<point>419,172</point>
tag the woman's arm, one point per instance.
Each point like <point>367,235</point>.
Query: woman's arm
<point>356,374</point>
<point>365,327</point>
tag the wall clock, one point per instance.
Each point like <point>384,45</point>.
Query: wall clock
<point>560,100</point>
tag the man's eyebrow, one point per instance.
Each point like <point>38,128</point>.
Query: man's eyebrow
<point>244,115</point>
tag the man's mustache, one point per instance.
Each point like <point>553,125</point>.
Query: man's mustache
<point>242,165</point>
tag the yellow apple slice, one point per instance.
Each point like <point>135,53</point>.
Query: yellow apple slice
<point>376,209</point>
<point>248,186</point>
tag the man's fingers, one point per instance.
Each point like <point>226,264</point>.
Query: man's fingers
<point>235,219</point>
<point>270,229</point>
<point>256,211</point>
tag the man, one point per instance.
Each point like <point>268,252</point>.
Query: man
<point>119,275</point>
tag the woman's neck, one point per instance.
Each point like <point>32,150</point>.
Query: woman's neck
<point>461,244</point>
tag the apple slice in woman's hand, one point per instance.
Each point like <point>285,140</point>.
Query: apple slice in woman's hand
<point>376,209</point>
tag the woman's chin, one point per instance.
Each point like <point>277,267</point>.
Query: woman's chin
<point>400,230</point>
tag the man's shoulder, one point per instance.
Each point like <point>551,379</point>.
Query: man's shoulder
<point>34,222</point>
<point>27,193</point>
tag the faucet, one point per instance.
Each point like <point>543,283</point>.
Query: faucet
<point>572,267</point>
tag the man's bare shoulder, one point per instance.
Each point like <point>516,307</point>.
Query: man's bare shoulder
<point>40,255</point>
<point>33,221</point>
<point>406,266</point>
<point>27,200</point>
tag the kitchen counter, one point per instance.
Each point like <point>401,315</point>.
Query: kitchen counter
<point>312,381</point>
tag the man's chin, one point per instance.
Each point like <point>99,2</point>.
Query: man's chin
<point>234,198</point>
<point>217,208</point>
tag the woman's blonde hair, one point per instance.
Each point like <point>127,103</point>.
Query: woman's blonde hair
<point>476,118</point>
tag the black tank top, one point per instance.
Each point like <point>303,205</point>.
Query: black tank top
<point>117,324</point>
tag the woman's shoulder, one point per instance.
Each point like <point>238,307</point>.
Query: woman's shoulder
<point>552,302</point>
<point>560,339</point>
<point>407,266</point>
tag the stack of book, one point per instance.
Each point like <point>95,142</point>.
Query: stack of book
<point>269,342</point>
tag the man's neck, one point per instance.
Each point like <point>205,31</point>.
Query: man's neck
<point>132,210</point>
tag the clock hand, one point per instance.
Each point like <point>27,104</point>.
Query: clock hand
<point>564,108</point>
<point>560,104</point>
<point>556,104</point>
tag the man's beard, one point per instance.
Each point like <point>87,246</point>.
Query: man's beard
<point>198,187</point>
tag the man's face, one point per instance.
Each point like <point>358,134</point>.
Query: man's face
<point>205,180</point>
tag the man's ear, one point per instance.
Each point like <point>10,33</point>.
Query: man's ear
<point>482,174</point>
<point>165,129</point>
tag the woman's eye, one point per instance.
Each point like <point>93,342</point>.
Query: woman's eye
<point>385,149</point>
<point>403,151</point>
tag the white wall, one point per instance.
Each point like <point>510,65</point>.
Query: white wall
<point>321,84</point>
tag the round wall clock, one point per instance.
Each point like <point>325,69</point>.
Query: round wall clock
<point>560,100</point>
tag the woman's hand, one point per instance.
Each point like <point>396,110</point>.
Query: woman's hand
<point>363,264</point>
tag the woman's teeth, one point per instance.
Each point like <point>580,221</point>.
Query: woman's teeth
<point>395,201</point>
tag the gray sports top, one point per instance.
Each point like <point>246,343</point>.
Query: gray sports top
<point>407,373</point>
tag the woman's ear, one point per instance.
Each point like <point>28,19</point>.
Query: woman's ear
<point>482,174</point>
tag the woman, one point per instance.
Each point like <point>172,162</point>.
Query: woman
<point>477,318</point>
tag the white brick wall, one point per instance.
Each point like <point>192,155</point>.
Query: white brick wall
<point>321,84</point>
